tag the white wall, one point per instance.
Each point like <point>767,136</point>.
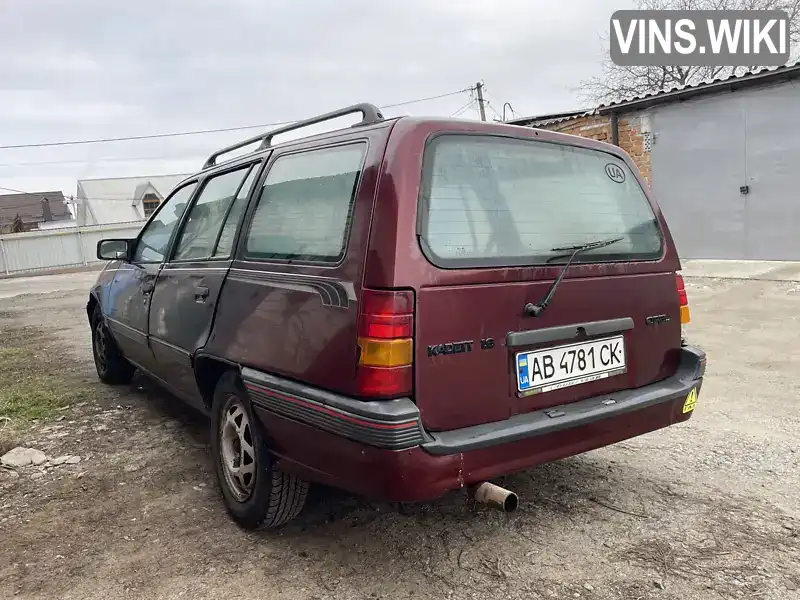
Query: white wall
<point>58,248</point>
<point>47,225</point>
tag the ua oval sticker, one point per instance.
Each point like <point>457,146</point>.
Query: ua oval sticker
<point>615,173</point>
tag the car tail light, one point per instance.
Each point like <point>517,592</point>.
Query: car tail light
<point>386,343</point>
<point>686,316</point>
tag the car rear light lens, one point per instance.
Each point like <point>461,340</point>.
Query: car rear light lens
<point>386,315</point>
<point>377,382</point>
<point>683,298</point>
<point>386,353</point>
<point>386,344</point>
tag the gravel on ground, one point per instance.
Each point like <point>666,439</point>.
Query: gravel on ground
<point>125,505</point>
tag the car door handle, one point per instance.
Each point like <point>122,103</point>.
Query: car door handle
<point>200,292</point>
<point>147,287</point>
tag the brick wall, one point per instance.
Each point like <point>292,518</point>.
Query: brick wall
<point>633,135</point>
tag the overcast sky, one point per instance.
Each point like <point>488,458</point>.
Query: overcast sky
<point>85,69</point>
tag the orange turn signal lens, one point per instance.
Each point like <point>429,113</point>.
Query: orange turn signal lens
<point>686,315</point>
<point>386,353</point>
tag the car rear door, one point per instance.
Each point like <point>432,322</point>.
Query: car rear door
<point>188,287</point>
<point>492,211</point>
<point>472,340</point>
<point>290,305</point>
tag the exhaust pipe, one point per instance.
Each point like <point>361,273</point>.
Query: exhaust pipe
<point>496,497</point>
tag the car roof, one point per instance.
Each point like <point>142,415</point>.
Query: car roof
<point>438,123</point>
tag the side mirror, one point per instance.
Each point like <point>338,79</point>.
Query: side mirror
<point>114,249</point>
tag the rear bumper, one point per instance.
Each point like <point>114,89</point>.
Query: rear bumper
<point>381,450</point>
<point>577,414</point>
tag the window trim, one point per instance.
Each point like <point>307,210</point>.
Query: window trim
<point>203,182</point>
<point>514,261</point>
<point>171,242</point>
<point>242,253</point>
<point>254,168</point>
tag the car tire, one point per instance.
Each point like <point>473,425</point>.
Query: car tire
<point>255,492</point>
<point>112,368</point>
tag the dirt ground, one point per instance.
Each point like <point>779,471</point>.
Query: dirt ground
<point>709,509</point>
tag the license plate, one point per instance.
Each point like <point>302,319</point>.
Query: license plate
<point>573,364</point>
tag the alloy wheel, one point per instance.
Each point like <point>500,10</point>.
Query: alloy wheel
<point>237,450</point>
<point>101,346</point>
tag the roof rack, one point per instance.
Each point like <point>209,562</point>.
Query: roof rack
<point>369,114</point>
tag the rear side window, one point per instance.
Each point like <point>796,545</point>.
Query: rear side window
<point>305,205</point>
<point>494,201</point>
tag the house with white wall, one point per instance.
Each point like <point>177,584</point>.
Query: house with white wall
<point>121,199</point>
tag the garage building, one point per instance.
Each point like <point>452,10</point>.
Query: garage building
<point>723,159</point>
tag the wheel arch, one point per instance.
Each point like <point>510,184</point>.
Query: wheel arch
<point>208,370</point>
<point>91,305</point>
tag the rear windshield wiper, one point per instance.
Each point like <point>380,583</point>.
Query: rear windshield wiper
<point>534,310</point>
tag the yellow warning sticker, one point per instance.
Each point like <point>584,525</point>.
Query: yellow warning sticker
<point>691,400</point>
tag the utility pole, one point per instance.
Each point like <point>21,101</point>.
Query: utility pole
<point>479,93</point>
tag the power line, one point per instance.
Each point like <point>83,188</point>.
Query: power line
<point>79,161</point>
<point>39,195</point>
<point>175,156</point>
<point>66,200</point>
<point>407,102</point>
<point>471,102</point>
<point>8,189</point>
<point>140,137</point>
<point>39,204</point>
<point>42,195</point>
<point>461,110</point>
<point>494,110</point>
<point>489,93</point>
<point>503,104</point>
<point>204,131</point>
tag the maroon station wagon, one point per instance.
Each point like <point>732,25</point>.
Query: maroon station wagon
<point>401,308</point>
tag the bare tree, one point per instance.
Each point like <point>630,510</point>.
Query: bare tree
<point>619,82</point>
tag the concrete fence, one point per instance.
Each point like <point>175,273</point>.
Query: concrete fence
<point>58,248</point>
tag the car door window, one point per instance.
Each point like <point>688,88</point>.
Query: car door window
<point>154,240</point>
<point>199,234</point>
<point>225,243</point>
<point>305,205</point>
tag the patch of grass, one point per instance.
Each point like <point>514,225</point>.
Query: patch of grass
<point>32,401</point>
<point>36,379</point>
<point>9,354</point>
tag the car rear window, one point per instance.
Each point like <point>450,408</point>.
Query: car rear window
<point>497,201</point>
<point>305,205</point>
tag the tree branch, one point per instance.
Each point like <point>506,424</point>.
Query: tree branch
<point>619,82</point>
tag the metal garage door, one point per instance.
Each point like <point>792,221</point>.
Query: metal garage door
<point>705,150</point>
